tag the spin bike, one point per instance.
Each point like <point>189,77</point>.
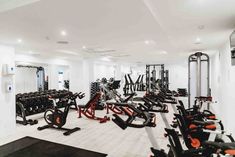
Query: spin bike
<point>56,119</point>
<point>138,118</point>
<point>147,120</point>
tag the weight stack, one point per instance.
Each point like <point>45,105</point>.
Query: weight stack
<point>94,88</point>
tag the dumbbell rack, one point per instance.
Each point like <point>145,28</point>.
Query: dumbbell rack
<point>32,103</point>
<point>94,88</point>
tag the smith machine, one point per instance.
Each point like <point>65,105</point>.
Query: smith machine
<point>152,80</point>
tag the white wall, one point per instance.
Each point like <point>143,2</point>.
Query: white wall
<point>80,78</point>
<point>178,75</point>
<point>178,72</point>
<point>117,71</point>
<point>223,85</point>
<point>52,67</point>
<point>215,82</point>
<point>80,73</point>
<point>53,74</point>
<point>83,72</point>
<point>25,59</point>
<point>7,100</point>
<point>26,80</point>
<point>104,70</point>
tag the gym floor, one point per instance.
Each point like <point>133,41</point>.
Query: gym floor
<point>104,138</point>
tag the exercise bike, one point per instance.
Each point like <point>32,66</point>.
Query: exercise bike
<point>56,119</point>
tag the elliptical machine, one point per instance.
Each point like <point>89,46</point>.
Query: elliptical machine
<point>56,118</point>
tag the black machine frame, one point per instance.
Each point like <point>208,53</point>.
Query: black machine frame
<point>131,86</point>
<point>56,118</point>
<point>164,76</point>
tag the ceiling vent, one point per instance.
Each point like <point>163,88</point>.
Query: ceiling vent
<point>62,42</point>
<point>120,55</point>
<point>98,50</point>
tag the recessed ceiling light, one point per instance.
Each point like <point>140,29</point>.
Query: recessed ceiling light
<point>63,33</point>
<point>19,40</point>
<point>146,42</point>
<point>149,42</point>
<point>163,52</point>
<point>84,47</point>
<point>198,40</point>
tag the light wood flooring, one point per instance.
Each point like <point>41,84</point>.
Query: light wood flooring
<point>105,138</point>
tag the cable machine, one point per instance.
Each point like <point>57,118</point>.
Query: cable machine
<point>152,80</point>
<point>198,58</point>
<point>41,83</point>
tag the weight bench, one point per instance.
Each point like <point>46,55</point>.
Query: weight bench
<point>88,110</point>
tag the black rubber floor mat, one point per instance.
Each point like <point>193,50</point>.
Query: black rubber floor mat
<point>32,147</point>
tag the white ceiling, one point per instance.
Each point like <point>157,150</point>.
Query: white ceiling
<point>126,30</point>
